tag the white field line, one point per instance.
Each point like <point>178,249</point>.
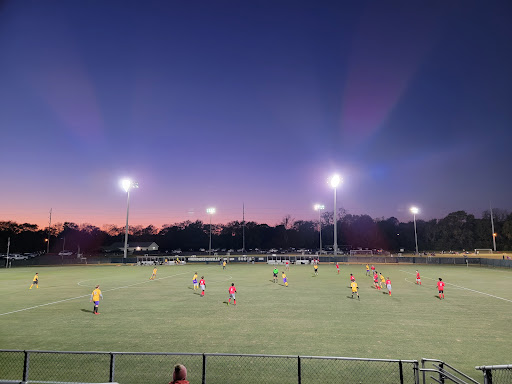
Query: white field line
<point>82,296</point>
<point>461,287</point>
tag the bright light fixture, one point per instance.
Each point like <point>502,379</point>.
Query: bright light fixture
<point>318,207</point>
<point>336,180</point>
<point>414,210</point>
<point>211,211</point>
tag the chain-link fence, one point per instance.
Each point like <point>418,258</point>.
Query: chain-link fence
<point>216,368</point>
<point>209,368</point>
<point>497,374</point>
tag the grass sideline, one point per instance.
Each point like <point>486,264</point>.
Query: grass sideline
<point>313,316</point>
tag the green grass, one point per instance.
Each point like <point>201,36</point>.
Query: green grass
<point>313,316</point>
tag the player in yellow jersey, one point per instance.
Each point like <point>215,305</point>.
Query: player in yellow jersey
<point>95,296</point>
<point>194,281</point>
<point>153,275</point>
<point>35,281</point>
<point>353,285</point>
<point>285,280</point>
<point>316,269</point>
<point>224,264</point>
<point>367,270</point>
<point>382,279</point>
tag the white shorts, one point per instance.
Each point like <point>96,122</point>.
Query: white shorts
<point>202,287</point>
<point>388,287</point>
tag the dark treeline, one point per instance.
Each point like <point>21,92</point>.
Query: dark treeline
<point>457,231</point>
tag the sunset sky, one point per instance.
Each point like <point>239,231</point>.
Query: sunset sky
<point>225,103</point>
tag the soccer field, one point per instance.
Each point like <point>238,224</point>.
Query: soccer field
<point>313,316</point>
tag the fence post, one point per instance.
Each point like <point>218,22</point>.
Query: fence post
<point>487,376</point>
<point>441,375</point>
<point>112,367</point>
<point>416,371</point>
<point>299,374</point>
<point>26,361</point>
<point>203,380</point>
<point>400,368</point>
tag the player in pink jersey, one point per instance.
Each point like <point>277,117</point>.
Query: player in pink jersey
<point>440,288</point>
<point>232,291</point>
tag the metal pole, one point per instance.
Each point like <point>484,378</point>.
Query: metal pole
<point>7,256</point>
<point>126,231</point>
<point>243,228</point>
<point>335,223</point>
<point>492,226</point>
<point>210,248</point>
<point>64,243</point>
<point>415,234</point>
<point>320,229</point>
<point>49,233</point>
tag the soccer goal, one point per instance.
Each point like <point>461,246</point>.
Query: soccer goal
<point>479,251</point>
<point>358,252</point>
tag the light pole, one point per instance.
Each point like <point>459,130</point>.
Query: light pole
<point>210,211</point>
<point>127,184</point>
<point>492,229</point>
<point>414,211</point>
<point>335,181</point>
<point>319,208</point>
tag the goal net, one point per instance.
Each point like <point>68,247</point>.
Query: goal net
<point>479,251</point>
<point>356,252</point>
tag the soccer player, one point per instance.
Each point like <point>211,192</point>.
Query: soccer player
<point>337,268</point>
<point>153,275</point>
<point>382,279</point>
<point>376,281</point>
<point>367,270</point>
<point>95,296</point>
<point>275,272</point>
<point>285,280</point>
<point>388,286</point>
<point>316,269</point>
<point>224,264</point>
<point>177,260</point>
<point>373,268</point>
<point>35,281</point>
<point>287,265</point>
<point>418,278</point>
<point>194,281</point>
<point>202,284</point>
<point>232,291</point>
<point>352,278</point>
<point>440,288</point>
<point>353,285</point>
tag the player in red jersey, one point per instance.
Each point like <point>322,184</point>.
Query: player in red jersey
<point>337,268</point>
<point>440,288</point>
<point>373,269</point>
<point>418,278</point>
<point>352,278</point>
<point>388,286</point>
<point>232,291</point>
<point>376,280</point>
<point>202,284</point>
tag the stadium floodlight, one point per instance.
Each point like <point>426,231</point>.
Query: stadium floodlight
<point>319,208</point>
<point>415,211</point>
<point>127,185</point>
<point>210,211</point>
<point>335,181</point>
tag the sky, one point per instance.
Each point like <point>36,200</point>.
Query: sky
<point>254,104</point>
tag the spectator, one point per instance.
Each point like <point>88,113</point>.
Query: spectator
<point>179,376</point>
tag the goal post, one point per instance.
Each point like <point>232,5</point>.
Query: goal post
<point>483,250</point>
<point>364,252</point>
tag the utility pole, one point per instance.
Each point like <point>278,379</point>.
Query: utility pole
<point>492,229</point>
<point>49,233</point>
<point>243,228</point>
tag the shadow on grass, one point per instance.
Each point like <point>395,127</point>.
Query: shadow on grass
<point>86,310</point>
<point>197,293</point>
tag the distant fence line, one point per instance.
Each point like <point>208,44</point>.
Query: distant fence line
<point>277,259</point>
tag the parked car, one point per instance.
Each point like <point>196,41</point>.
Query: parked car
<point>65,253</point>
